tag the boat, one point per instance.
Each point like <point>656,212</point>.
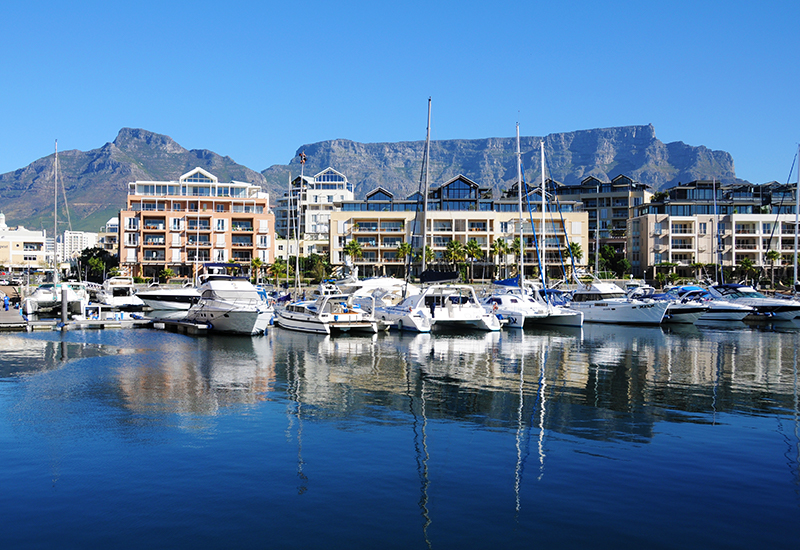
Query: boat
<point>440,306</point>
<point>169,297</point>
<point>783,309</point>
<point>47,297</point>
<point>230,304</point>
<point>518,302</point>
<point>718,310</point>
<point>602,302</point>
<point>681,310</point>
<point>328,313</point>
<point>120,292</point>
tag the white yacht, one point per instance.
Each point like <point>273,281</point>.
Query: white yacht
<point>47,297</point>
<point>169,297</point>
<point>119,291</point>
<point>718,310</point>
<point>230,304</point>
<point>328,313</point>
<point>679,311</point>
<point>783,309</point>
<point>607,303</point>
<point>443,306</point>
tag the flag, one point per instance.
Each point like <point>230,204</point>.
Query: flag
<point>303,157</point>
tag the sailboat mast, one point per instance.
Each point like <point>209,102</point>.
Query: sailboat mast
<point>55,218</point>
<point>796,217</point>
<point>519,195</point>
<point>425,193</point>
<point>544,234</point>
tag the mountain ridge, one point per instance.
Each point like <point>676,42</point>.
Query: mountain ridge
<point>96,181</point>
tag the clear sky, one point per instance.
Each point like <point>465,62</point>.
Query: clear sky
<point>255,80</point>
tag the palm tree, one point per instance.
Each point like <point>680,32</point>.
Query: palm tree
<point>404,250</point>
<point>499,250</point>
<point>455,252</point>
<point>575,251</point>
<point>255,265</point>
<point>748,267</point>
<point>516,250</point>
<point>353,249</point>
<point>772,256</point>
<point>473,250</point>
<point>278,269</point>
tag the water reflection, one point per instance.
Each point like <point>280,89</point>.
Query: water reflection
<point>604,382</point>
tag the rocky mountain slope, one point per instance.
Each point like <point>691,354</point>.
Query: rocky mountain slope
<point>96,181</point>
<point>570,157</point>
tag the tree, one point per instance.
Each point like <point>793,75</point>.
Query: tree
<point>499,250</point>
<point>404,250</point>
<point>747,268</point>
<point>255,265</point>
<point>353,249</point>
<point>698,270</point>
<point>277,269</point>
<point>455,252</point>
<point>473,250</point>
<point>103,261</point>
<point>772,257</point>
<point>166,274</point>
<point>516,250</point>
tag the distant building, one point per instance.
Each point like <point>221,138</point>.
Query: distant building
<point>180,224</point>
<point>22,248</point>
<point>74,242</point>
<point>458,210</point>
<point>303,214</point>
<point>698,226</point>
<point>108,237</point>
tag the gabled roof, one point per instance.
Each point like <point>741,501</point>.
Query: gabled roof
<point>199,170</point>
<point>379,190</point>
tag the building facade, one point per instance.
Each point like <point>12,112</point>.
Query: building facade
<point>302,216</point>
<point>180,224</point>
<point>609,205</point>
<point>700,226</point>
<point>22,249</point>
<point>459,210</point>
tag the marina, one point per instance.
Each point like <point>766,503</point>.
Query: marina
<point>603,436</point>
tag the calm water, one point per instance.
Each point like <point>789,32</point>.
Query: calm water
<point>610,437</point>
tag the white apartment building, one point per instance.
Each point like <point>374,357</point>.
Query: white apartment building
<point>304,213</point>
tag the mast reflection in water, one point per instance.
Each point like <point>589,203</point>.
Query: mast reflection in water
<point>605,437</point>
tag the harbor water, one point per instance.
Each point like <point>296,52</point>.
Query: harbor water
<point>601,437</point>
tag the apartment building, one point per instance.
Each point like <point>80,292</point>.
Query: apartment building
<point>179,224</point>
<point>608,205</point>
<point>457,210</point>
<point>703,222</point>
<point>22,248</point>
<point>303,214</point>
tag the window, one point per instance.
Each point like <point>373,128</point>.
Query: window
<point>701,228</point>
<point>219,225</point>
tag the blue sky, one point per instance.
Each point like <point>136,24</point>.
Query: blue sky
<point>257,80</point>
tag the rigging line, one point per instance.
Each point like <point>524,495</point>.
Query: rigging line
<point>533,229</point>
<point>780,205</point>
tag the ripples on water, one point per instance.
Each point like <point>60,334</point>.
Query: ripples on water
<point>605,437</point>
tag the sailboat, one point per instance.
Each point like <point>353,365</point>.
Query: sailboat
<point>437,304</point>
<point>517,301</point>
<point>49,296</point>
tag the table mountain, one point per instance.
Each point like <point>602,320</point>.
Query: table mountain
<point>96,181</point>
<point>570,157</point>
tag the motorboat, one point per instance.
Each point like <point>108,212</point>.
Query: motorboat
<point>444,306</point>
<point>681,310</point>
<point>47,297</point>
<point>119,292</point>
<point>718,310</point>
<point>328,313</point>
<point>230,304</point>
<point>603,302</point>
<point>169,297</point>
<point>784,309</point>
<point>518,308</point>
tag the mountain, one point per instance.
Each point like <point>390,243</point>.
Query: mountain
<point>570,157</point>
<point>96,181</point>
